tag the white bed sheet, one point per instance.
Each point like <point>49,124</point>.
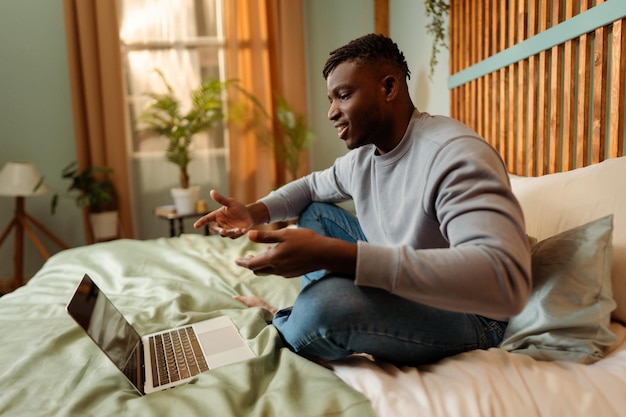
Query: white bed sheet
<point>494,383</point>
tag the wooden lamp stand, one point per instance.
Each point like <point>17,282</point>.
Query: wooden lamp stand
<point>21,222</point>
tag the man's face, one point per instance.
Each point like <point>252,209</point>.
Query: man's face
<point>355,96</point>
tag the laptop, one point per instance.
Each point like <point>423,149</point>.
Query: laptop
<point>161,360</point>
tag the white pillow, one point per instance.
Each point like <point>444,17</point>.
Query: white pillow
<point>557,202</point>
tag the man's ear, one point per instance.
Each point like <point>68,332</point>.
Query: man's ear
<point>390,84</point>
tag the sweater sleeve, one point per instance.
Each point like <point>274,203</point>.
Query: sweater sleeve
<point>327,185</point>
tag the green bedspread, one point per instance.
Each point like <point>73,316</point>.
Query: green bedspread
<point>49,367</point>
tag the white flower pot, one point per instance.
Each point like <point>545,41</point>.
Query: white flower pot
<point>185,199</point>
<point>105,225</point>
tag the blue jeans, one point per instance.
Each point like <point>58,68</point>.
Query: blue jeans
<point>332,318</point>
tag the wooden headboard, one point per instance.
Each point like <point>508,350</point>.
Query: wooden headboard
<point>542,81</point>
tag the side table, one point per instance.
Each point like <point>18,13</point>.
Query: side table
<point>169,213</point>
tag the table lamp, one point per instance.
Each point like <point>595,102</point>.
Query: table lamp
<point>20,180</point>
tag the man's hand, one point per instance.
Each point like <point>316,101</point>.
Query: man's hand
<point>290,257</point>
<point>299,251</point>
<point>232,220</point>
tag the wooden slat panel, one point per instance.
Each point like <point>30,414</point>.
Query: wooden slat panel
<point>599,93</point>
<point>495,27</point>
<point>618,90</point>
<point>533,25</point>
<point>480,55</point>
<point>549,112</point>
<point>512,86</point>
<point>466,103</point>
<point>493,130</point>
<point>501,140</point>
<point>472,34</point>
<point>543,95</point>
<point>485,18</point>
<point>474,84</point>
<point>582,124</point>
<point>556,83</point>
<point>569,64</point>
<point>485,11</point>
<point>502,100</point>
<point>479,108</point>
<point>491,37</point>
<point>487,111</point>
<point>467,23</point>
<point>471,105</point>
<point>522,88</point>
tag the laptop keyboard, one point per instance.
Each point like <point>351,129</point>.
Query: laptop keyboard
<point>176,355</point>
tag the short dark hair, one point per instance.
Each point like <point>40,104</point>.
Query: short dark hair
<point>369,49</point>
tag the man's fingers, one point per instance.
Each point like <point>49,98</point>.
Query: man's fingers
<point>220,199</point>
<point>257,263</point>
<point>234,232</point>
<point>265,236</point>
<point>206,219</point>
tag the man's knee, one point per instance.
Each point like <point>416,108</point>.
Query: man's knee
<point>317,325</point>
<point>312,212</point>
<point>331,220</point>
<point>328,303</point>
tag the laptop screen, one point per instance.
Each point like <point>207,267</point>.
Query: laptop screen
<point>95,313</point>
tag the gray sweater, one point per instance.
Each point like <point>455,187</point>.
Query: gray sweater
<point>442,225</point>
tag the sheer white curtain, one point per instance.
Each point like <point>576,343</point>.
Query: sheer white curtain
<point>161,27</point>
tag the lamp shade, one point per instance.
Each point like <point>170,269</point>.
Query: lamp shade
<point>21,179</point>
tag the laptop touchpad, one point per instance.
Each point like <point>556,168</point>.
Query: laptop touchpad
<point>220,340</point>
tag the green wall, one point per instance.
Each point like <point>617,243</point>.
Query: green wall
<point>35,116</point>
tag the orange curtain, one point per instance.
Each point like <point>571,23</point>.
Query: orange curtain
<point>96,80</point>
<point>265,52</point>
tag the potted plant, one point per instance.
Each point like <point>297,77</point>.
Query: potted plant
<point>292,137</point>
<point>95,191</point>
<point>296,137</point>
<point>163,116</point>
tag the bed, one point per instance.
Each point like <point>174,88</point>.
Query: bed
<point>564,355</point>
<point>49,367</point>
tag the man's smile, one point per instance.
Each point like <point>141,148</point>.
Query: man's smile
<point>341,130</point>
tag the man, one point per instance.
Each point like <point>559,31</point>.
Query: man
<point>436,260</point>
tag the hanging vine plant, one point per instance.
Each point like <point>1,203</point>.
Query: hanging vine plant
<point>437,11</point>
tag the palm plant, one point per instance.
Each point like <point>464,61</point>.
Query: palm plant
<point>163,116</point>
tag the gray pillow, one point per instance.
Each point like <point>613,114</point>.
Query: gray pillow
<point>568,314</point>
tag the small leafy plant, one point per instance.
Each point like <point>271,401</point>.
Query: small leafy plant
<point>93,187</point>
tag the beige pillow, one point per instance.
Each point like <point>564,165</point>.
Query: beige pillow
<point>558,202</point>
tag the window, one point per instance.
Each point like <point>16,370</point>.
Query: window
<point>184,40</point>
